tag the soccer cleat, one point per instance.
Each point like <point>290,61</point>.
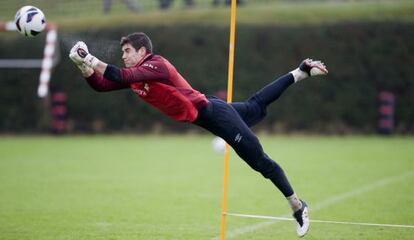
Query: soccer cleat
<point>302,220</point>
<point>313,68</point>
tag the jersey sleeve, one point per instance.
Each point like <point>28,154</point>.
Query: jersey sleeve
<point>151,70</point>
<point>101,84</point>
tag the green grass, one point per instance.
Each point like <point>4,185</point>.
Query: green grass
<point>78,14</point>
<point>169,187</point>
<point>260,14</point>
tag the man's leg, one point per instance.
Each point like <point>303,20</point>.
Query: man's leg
<point>223,120</point>
<point>253,110</point>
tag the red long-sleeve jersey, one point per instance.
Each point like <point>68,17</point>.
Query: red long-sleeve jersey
<point>157,82</point>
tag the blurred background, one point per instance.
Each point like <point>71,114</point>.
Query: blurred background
<point>367,45</point>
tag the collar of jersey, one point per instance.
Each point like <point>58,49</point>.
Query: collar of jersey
<point>146,57</point>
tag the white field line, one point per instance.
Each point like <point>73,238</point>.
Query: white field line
<point>321,221</point>
<point>323,204</point>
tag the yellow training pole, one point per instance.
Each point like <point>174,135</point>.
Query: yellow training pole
<point>229,100</point>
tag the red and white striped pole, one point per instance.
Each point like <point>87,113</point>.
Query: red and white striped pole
<point>47,62</point>
<point>386,112</point>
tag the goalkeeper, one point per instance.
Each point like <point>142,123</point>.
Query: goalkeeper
<point>157,82</point>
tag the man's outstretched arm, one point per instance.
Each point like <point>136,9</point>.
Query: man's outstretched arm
<point>94,77</point>
<point>80,54</point>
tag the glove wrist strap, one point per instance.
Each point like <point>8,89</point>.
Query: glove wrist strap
<point>83,67</point>
<point>91,61</point>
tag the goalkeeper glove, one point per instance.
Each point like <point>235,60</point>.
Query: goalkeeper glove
<point>80,55</point>
<point>84,69</point>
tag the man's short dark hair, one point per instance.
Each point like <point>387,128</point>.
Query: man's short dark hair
<point>138,40</point>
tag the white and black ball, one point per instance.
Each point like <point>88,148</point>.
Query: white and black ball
<point>30,21</point>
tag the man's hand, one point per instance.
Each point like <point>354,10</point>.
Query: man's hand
<point>79,54</point>
<point>86,71</point>
<point>79,47</point>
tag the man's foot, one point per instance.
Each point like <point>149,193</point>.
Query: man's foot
<point>313,68</point>
<point>302,220</point>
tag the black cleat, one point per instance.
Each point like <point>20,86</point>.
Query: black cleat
<point>302,220</point>
<point>313,68</point>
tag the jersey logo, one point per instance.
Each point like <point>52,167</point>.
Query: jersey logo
<point>142,92</point>
<point>146,87</point>
<point>149,65</point>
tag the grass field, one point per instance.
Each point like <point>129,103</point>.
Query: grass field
<point>308,12</point>
<point>169,187</point>
<point>78,14</point>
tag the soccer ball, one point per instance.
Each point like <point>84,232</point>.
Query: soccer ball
<point>219,145</point>
<point>30,21</point>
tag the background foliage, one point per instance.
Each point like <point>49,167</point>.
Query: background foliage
<point>364,57</point>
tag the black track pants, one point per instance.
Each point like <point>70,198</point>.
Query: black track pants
<point>231,122</point>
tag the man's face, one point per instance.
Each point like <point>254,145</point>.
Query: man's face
<point>131,56</point>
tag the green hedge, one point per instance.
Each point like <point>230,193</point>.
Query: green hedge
<point>363,59</point>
